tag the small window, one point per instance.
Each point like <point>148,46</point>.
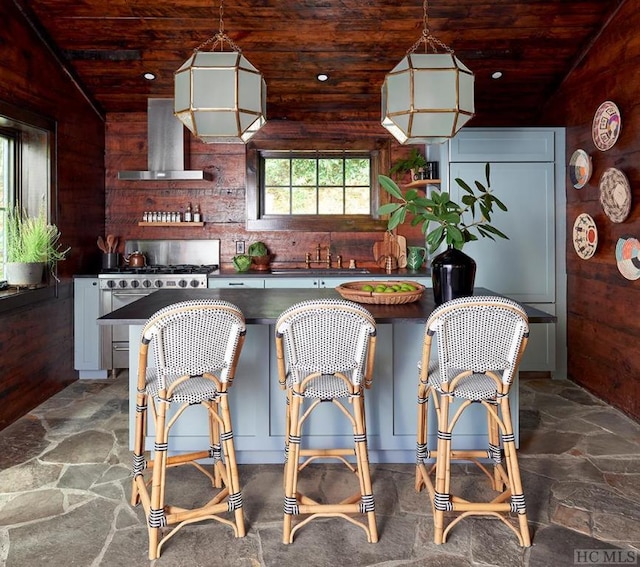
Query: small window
<point>7,187</point>
<point>26,158</point>
<point>320,189</point>
<point>302,184</point>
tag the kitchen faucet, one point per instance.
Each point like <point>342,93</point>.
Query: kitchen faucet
<point>319,259</point>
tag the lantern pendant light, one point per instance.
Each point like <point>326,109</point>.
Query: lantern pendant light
<point>427,97</point>
<point>219,95</point>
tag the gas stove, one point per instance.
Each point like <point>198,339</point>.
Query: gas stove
<point>157,276</point>
<point>170,264</point>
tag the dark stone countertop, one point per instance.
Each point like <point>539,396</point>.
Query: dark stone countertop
<point>283,272</point>
<point>264,306</point>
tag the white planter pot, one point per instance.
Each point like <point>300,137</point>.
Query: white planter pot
<point>23,274</point>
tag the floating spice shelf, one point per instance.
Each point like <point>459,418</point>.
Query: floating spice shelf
<point>142,223</point>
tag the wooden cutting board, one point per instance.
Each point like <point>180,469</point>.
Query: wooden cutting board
<point>402,257</point>
<point>388,247</point>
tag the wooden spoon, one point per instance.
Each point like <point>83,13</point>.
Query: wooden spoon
<point>102,245</point>
<point>110,243</point>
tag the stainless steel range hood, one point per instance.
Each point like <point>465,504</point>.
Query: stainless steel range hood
<point>165,138</point>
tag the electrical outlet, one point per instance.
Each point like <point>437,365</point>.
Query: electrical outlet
<point>240,247</point>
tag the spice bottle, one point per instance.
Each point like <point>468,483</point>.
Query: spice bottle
<point>197,217</point>
<point>187,214</point>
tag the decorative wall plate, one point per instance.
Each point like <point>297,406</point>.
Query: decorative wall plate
<point>628,257</point>
<point>585,236</point>
<point>615,194</point>
<point>606,126</point>
<point>580,168</point>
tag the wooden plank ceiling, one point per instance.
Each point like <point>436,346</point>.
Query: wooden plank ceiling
<point>109,44</point>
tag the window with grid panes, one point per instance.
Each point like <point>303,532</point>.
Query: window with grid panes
<point>316,183</point>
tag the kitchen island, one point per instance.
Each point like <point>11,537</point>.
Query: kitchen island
<point>258,404</point>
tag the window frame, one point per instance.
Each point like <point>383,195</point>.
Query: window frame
<point>291,156</point>
<point>11,189</point>
<point>22,123</point>
<point>378,149</point>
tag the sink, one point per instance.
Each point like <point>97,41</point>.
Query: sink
<point>319,271</point>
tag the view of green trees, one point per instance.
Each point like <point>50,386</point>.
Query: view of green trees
<point>317,186</point>
<point>4,197</point>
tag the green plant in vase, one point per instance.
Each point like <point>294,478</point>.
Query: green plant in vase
<point>415,162</point>
<point>260,256</point>
<point>445,221</point>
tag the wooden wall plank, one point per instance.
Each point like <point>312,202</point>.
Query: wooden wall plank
<point>603,325</point>
<point>36,342</point>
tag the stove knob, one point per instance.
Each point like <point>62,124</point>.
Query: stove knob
<point>146,283</point>
<point>111,284</point>
<point>122,283</point>
<point>158,283</point>
<point>182,283</point>
<point>195,283</point>
<point>135,283</point>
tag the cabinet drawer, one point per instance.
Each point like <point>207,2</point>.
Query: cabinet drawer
<point>293,283</point>
<point>235,283</point>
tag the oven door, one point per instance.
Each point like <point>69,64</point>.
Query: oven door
<point>120,336</point>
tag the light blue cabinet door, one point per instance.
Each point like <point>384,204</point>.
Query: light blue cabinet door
<point>258,404</point>
<point>86,333</point>
<point>522,267</point>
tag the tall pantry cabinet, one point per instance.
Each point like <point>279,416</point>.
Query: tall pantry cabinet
<point>528,175</point>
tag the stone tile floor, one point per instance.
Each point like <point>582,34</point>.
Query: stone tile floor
<point>64,485</point>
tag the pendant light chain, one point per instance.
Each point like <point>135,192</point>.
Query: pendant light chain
<point>425,18</point>
<point>220,38</point>
<point>429,40</point>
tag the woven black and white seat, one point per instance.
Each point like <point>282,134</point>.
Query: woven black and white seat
<point>325,350</point>
<point>480,341</point>
<point>196,346</point>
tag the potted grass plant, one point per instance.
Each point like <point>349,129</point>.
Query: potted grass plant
<point>32,243</point>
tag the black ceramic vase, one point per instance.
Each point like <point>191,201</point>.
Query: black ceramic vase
<point>452,275</point>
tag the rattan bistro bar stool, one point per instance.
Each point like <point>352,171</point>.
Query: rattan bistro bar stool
<point>196,345</point>
<point>325,350</point>
<point>480,341</point>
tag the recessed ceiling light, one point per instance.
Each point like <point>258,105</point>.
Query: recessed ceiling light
<point>322,77</point>
<point>149,76</point>
<point>496,75</point>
